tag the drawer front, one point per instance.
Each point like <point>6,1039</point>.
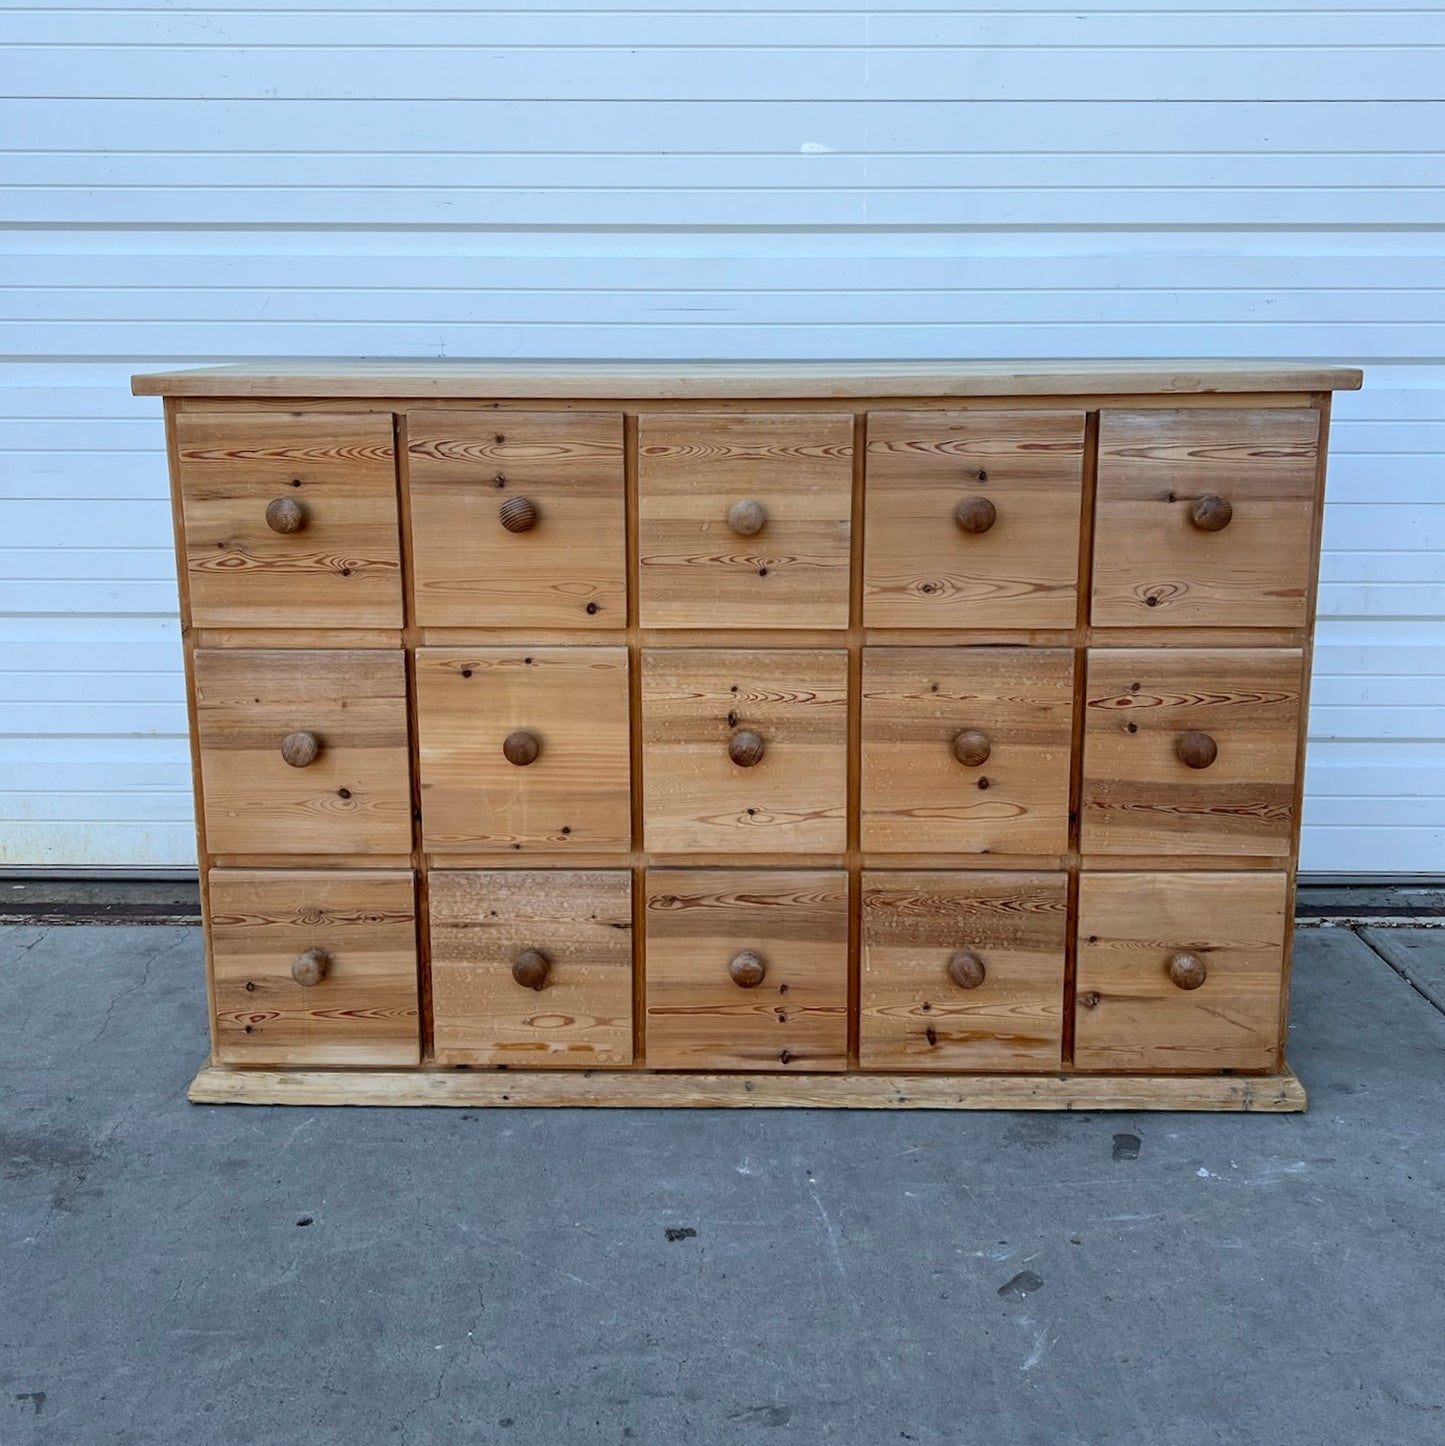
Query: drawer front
<point>1180,971</point>
<point>1191,751</point>
<point>524,750</point>
<point>314,968</point>
<point>303,751</point>
<point>1205,518</point>
<point>531,969</point>
<point>517,519</point>
<point>290,519</point>
<point>966,750</point>
<point>744,520</point>
<point>711,933</point>
<point>962,971</point>
<point>973,519</point>
<point>745,751</point>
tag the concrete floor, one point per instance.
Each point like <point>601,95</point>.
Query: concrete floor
<point>239,1275</point>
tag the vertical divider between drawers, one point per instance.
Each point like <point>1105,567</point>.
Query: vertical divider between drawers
<point>854,855</point>
<point>634,681</point>
<point>1074,858</point>
<point>409,638</point>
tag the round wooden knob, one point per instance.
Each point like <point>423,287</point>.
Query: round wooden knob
<point>971,747</point>
<point>1187,971</point>
<point>519,514</point>
<point>530,968</point>
<point>521,747</point>
<point>965,969</point>
<point>310,968</point>
<point>747,969</point>
<point>285,514</point>
<point>747,517</point>
<point>1195,750</point>
<point>745,749</point>
<point>1211,513</point>
<point>975,514</point>
<point>300,749</point>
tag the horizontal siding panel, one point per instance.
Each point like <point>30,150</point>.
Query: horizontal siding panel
<point>126,777</point>
<point>37,718</point>
<point>1379,848</point>
<point>28,844</point>
<point>632,70</point>
<point>1407,122</point>
<point>98,807</point>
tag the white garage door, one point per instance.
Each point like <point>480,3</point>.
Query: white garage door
<point>646,179</point>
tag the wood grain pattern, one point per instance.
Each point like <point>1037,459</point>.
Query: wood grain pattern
<point>695,571</point>
<point>354,799</point>
<point>918,797</point>
<point>1154,568</point>
<point>912,1016</point>
<point>1140,799</point>
<point>922,570</point>
<point>342,569</point>
<point>697,1018</point>
<point>568,570</point>
<point>581,921</point>
<point>1131,1016</point>
<point>707,380</point>
<point>462,1089</point>
<point>362,1013</point>
<point>695,700</point>
<point>574,798</point>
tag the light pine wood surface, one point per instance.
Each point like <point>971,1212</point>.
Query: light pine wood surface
<point>362,1012</point>
<point>568,569</point>
<point>354,798</point>
<point>696,702</point>
<point>698,921</point>
<point>340,568</point>
<point>918,796</point>
<point>1154,568</point>
<point>922,569</point>
<point>913,1016</point>
<point>695,570</point>
<point>1131,1016</point>
<point>1139,798</point>
<point>580,921</point>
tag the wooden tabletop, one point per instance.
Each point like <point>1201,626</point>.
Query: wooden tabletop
<point>700,380</point>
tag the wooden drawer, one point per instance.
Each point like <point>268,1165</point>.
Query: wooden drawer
<point>1131,1013</point>
<point>973,519</point>
<point>962,971</point>
<point>352,935</point>
<point>517,519</point>
<point>745,751</point>
<point>705,924</point>
<point>290,519</point>
<point>303,751</point>
<point>744,520</point>
<point>966,750</point>
<point>1246,564</point>
<point>524,750</point>
<point>532,969</point>
<point>1154,721</point>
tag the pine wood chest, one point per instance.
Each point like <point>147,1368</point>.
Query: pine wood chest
<point>921,735</point>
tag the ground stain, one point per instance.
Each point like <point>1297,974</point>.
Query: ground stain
<point>764,1415</point>
<point>1126,1147</point>
<point>681,1232</point>
<point>1024,1283</point>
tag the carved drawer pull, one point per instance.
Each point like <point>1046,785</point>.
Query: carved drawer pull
<point>531,967</point>
<point>975,514</point>
<point>1195,750</point>
<point>300,749</point>
<point>519,514</point>
<point>746,749</point>
<point>1187,971</point>
<point>285,514</point>
<point>1211,513</point>
<point>748,517</point>
<point>971,747</point>
<point>966,969</point>
<point>521,747</point>
<point>748,969</point>
<point>310,968</point>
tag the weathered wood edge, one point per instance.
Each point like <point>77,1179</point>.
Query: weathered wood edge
<point>1272,1094</point>
<point>751,380</point>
